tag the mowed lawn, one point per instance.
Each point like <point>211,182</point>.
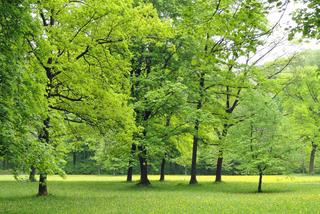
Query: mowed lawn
<point>110,194</point>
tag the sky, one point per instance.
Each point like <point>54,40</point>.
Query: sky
<point>285,48</point>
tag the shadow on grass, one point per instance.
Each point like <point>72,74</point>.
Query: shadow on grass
<point>174,186</point>
<point>82,190</point>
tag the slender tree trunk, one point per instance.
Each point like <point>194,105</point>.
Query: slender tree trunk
<point>312,157</point>
<point>74,159</point>
<point>143,166</point>
<point>219,167</point>
<point>229,109</point>
<point>32,175</point>
<point>260,182</point>
<point>43,190</point>
<point>162,169</point>
<point>193,179</point>
<point>163,162</point>
<point>130,168</point>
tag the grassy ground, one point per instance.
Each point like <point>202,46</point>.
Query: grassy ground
<point>110,194</point>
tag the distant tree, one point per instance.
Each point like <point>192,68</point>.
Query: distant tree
<point>302,102</point>
<point>307,19</point>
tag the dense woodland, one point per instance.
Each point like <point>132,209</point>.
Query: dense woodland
<point>160,86</point>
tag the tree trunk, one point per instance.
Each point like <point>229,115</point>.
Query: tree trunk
<point>43,191</point>
<point>32,175</point>
<point>143,166</point>
<point>260,182</point>
<point>193,179</point>
<point>312,157</point>
<point>129,173</point>
<point>163,162</point>
<point>219,167</point>
<point>74,159</point>
<point>162,169</point>
<point>130,169</point>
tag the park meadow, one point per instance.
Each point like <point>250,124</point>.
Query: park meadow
<point>111,194</point>
<point>159,106</point>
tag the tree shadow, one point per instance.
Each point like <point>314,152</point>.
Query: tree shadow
<point>101,189</point>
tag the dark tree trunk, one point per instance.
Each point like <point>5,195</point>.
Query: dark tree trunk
<point>220,155</point>
<point>219,167</point>
<point>193,179</point>
<point>143,166</point>
<point>129,173</point>
<point>130,169</point>
<point>229,109</point>
<point>260,182</point>
<point>74,159</point>
<point>312,157</point>
<point>163,162</point>
<point>43,191</point>
<point>32,175</point>
<point>162,169</point>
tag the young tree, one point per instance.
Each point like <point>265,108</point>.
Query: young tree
<point>261,142</point>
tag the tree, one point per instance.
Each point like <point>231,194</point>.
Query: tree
<point>261,142</point>
<point>293,81</point>
<point>80,46</point>
<point>21,91</point>
<point>302,102</point>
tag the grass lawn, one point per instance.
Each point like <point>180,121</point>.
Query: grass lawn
<point>110,194</point>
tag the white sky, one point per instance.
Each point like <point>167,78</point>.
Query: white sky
<point>285,48</point>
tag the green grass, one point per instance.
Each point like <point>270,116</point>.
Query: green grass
<point>110,194</point>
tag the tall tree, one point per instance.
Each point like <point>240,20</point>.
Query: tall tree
<point>20,91</point>
<point>80,46</point>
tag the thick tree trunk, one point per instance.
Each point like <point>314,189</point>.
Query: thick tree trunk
<point>162,169</point>
<point>312,157</point>
<point>260,182</point>
<point>32,175</point>
<point>193,179</point>
<point>219,167</point>
<point>143,166</point>
<point>129,173</point>
<point>130,169</point>
<point>43,191</point>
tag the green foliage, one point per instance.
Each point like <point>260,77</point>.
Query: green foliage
<point>307,19</point>
<point>21,100</point>
<point>262,142</point>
